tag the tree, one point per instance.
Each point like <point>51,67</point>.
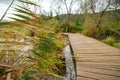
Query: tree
<point>57,9</point>
<point>103,13</point>
<point>115,4</point>
<point>68,5</point>
<point>94,10</point>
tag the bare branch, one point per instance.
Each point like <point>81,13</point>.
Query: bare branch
<point>102,14</point>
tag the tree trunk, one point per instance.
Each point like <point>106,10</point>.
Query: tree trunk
<point>67,22</point>
<point>102,14</point>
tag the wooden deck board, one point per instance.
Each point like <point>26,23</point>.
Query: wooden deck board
<point>97,76</point>
<point>95,60</point>
<point>100,71</point>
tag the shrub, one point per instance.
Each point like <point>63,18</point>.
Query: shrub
<point>111,41</point>
<point>54,24</point>
<point>73,27</point>
<point>90,27</point>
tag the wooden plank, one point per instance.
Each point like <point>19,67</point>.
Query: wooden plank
<point>95,60</point>
<point>100,63</point>
<point>98,54</point>
<point>101,57</point>
<point>99,71</point>
<point>106,67</point>
<point>97,76</point>
<point>94,51</point>
<point>85,78</point>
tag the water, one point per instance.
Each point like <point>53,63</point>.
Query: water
<point>70,70</point>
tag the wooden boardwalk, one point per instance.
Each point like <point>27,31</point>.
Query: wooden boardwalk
<point>95,60</point>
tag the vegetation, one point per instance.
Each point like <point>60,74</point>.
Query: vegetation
<point>95,24</point>
<point>31,44</point>
<point>42,58</point>
<point>111,41</point>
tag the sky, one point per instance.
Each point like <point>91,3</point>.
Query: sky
<point>5,3</point>
<point>3,6</point>
<point>45,6</point>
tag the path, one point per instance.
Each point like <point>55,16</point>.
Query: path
<point>95,60</point>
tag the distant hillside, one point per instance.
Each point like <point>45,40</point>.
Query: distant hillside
<point>80,17</point>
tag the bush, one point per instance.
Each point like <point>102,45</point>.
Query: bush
<point>79,27</point>
<point>90,27</point>
<point>111,41</point>
<point>72,27</point>
<point>54,24</point>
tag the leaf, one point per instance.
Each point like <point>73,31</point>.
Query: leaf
<point>31,72</point>
<point>22,16</point>
<point>28,2</point>
<point>25,11</point>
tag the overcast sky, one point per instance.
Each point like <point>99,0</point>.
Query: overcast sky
<point>45,6</point>
<point>5,3</point>
<point>3,6</point>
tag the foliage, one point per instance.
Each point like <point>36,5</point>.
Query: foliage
<point>110,24</point>
<point>55,24</point>
<point>41,31</point>
<point>45,56</point>
<point>79,27</point>
<point>27,75</point>
<point>44,51</point>
<point>44,19</point>
<point>45,44</point>
<point>14,32</point>
<point>111,41</point>
<point>90,27</point>
<point>73,26</point>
